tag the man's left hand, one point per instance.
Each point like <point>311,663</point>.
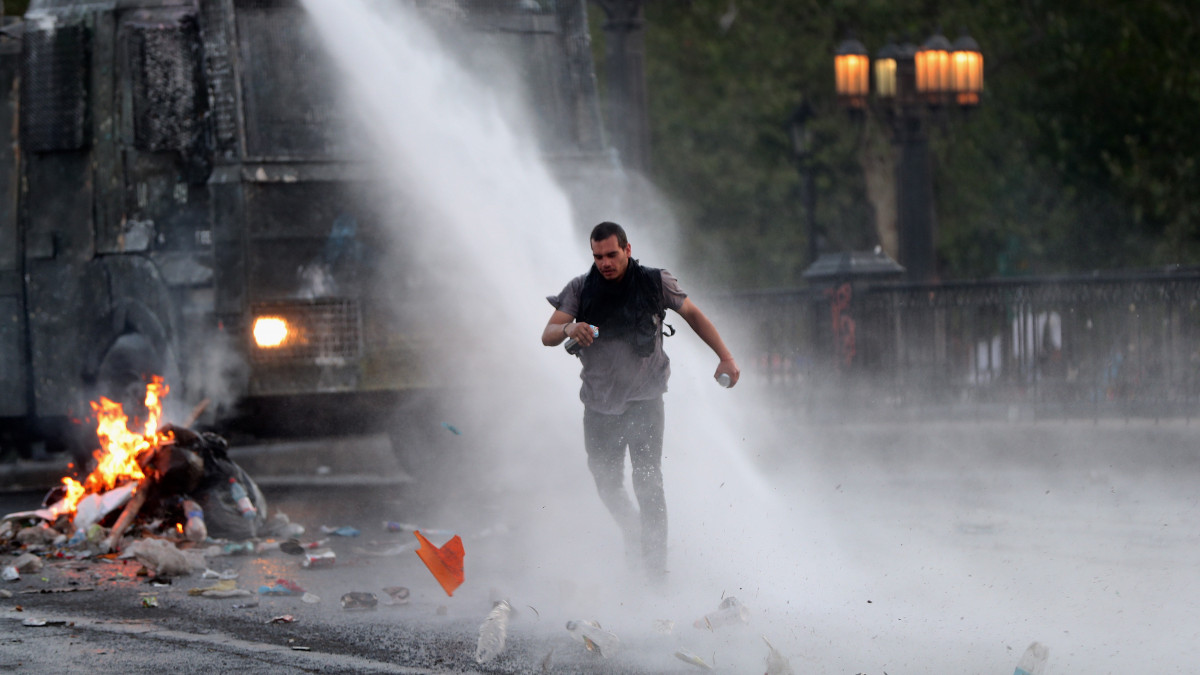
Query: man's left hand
<point>728,367</point>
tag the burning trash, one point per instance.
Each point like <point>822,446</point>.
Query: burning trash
<point>179,482</point>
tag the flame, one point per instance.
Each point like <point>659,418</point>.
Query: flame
<point>120,448</point>
<point>75,491</point>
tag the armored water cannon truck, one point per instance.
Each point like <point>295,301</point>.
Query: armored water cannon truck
<point>180,198</point>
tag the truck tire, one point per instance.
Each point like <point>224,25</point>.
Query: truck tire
<point>125,370</point>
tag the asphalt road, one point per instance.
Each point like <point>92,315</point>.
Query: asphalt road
<point>96,619</point>
<point>857,549</point>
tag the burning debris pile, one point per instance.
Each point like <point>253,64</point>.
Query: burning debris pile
<point>165,482</point>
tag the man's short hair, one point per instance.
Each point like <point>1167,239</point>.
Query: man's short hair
<point>606,229</point>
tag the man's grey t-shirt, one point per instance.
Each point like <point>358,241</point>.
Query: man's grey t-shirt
<point>613,374</point>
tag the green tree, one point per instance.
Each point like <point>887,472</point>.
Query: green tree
<point>1082,155</point>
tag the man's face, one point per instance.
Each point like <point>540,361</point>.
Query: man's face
<point>611,259</point>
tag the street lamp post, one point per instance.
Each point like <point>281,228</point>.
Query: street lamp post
<point>801,138</point>
<point>624,63</point>
<point>911,85</point>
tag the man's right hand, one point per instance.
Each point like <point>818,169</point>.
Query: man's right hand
<point>582,333</point>
<point>556,330</point>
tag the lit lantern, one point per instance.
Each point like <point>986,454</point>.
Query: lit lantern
<point>934,70</point>
<point>885,71</point>
<point>852,73</point>
<point>967,71</point>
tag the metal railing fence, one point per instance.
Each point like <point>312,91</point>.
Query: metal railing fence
<point>1096,345</point>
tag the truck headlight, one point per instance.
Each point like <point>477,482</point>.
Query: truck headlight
<point>270,331</point>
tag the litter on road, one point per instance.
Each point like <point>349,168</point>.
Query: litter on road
<point>395,595</point>
<point>356,600</point>
<point>777,663</point>
<point>729,613</point>
<point>690,658</point>
<point>493,633</point>
<point>446,562</point>
<point>593,637</point>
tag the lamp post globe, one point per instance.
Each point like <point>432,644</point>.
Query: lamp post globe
<point>934,70</point>
<point>967,71</point>
<point>851,65</point>
<point>885,71</point>
<point>913,88</point>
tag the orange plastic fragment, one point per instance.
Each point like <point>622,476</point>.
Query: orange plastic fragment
<point>446,562</point>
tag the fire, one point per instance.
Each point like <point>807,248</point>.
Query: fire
<point>120,448</point>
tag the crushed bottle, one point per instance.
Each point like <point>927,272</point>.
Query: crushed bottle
<point>1033,661</point>
<point>493,632</point>
<point>730,612</point>
<point>319,559</point>
<point>777,663</point>
<point>358,600</point>
<point>593,637</point>
<point>690,658</point>
<point>396,595</point>
<point>194,529</point>
<point>238,548</point>
<point>244,505</point>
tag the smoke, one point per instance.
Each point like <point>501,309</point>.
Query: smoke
<point>843,563</point>
<point>216,373</point>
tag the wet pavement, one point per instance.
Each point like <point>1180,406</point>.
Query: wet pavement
<point>96,611</point>
<point>942,548</point>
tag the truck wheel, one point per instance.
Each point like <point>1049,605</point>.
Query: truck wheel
<point>126,369</point>
<point>423,446</point>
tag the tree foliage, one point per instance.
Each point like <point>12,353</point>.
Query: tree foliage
<point>15,7</point>
<point>1082,155</point>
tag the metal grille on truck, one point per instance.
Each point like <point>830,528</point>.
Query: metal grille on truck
<point>322,331</point>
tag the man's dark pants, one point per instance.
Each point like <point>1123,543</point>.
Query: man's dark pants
<point>606,437</point>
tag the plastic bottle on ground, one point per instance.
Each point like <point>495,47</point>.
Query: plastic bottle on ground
<point>194,529</point>
<point>1033,661</point>
<point>595,638</point>
<point>493,632</point>
<point>729,612</point>
<point>243,500</point>
<point>777,663</point>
